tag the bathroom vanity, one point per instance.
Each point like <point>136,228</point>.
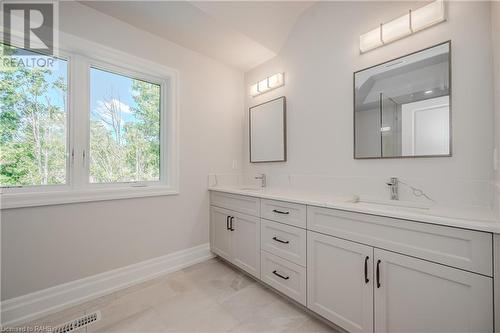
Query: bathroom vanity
<point>362,271</point>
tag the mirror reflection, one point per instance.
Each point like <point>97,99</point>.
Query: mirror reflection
<point>268,131</point>
<point>402,107</point>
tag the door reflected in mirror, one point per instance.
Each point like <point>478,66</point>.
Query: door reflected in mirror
<point>402,108</point>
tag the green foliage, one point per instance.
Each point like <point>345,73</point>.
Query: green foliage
<point>32,128</point>
<point>129,151</point>
<point>33,132</point>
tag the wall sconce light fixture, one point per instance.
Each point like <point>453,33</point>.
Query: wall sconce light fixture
<point>269,83</point>
<point>403,26</point>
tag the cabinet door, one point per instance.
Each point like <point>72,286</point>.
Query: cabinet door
<point>337,287</point>
<point>419,296</point>
<point>246,243</point>
<point>220,235</point>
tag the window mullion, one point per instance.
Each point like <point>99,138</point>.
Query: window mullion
<point>79,126</point>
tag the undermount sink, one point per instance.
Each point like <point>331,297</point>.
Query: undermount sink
<point>395,205</point>
<point>251,189</point>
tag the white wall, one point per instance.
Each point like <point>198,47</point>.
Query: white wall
<point>495,34</point>
<point>319,59</point>
<point>47,246</point>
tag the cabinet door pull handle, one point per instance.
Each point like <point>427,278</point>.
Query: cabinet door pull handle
<point>279,240</point>
<point>281,276</point>
<point>280,212</point>
<point>231,227</point>
<point>227,223</point>
<point>366,269</point>
<point>378,273</point>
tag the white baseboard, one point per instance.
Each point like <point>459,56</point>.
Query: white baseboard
<point>29,307</point>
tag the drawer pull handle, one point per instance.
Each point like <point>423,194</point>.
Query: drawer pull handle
<point>378,273</point>
<point>279,240</point>
<point>366,269</point>
<point>227,223</point>
<point>280,212</point>
<point>231,219</point>
<point>281,276</point>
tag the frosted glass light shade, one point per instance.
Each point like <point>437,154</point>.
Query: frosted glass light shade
<point>370,40</point>
<point>428,15</point>
<point>396,29</point>
<point>403,26</point>
<point>271,82</point>
<point>262,85</point>
<point>275,80</point>
<point>254,89</point>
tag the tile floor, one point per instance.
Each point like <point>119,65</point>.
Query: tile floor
<point>207,297</point>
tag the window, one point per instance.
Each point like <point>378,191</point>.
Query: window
<point>33,120</point>
<point>124,128</point>
<point>61,142</point>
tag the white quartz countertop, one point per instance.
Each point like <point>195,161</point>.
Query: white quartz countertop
<point>480,219</point>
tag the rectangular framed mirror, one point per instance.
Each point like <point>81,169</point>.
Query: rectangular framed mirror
<point>402,108</point>
<point>268,131</point>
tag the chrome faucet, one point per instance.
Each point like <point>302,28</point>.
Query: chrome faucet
<point>394,188</point>
<point>263,179</point>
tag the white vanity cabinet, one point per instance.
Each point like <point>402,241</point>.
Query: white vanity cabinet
<point>284,241</point>
<point>283,245</point>
<point>465,249</point>
<point>220,233</point>
<point>412,286</point>
<point>285,276</point>
<point>393,292</point>
<point>364,273</point>
<point>235,236</point>
<point>413,295</point>
<point>340,281</point>
<point>245,243</point>
<point>238,203</point>
<point>284,212</point>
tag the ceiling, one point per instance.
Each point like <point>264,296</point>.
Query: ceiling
<point>242,34</point>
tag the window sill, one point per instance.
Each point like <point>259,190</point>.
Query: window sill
<point>33,199</point>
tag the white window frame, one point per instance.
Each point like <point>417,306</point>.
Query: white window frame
<point>131,73</point>
<point>81,55</point>
<point>53,187</point>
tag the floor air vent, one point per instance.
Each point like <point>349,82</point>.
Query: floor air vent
<point>72,326</point>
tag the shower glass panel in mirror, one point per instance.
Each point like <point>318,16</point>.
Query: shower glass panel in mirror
<point>402,108</point>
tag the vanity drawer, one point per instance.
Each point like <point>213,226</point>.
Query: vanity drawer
<point>239,203</point>
<point>284,276</point>
<point>284,212</point>
<point>284,241</point>
<point>465,249</point>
